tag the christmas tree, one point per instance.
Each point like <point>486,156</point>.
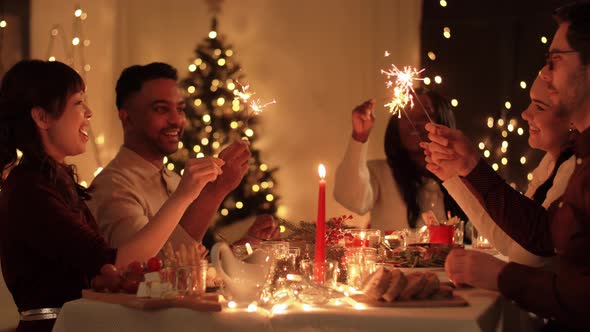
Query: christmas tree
<point>216,116</point>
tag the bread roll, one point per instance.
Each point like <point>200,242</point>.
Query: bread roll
<point>396,285</point>
<point>432,285</point>
<point>377,283</point>
<point>416,282</point>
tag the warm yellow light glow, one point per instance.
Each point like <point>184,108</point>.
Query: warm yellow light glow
<point>78,12</point>
<point>224,212</point>
<point>431,56</point>
<point>84,184</point>
<point>504,133</point>
<point>520,131</point>
<point>213,88</point>
<point>504,161</point>
<point>200,155</point>
<point>454,102</point>
<point>529,176</point>
<point>3,24</point>
<point>182,172</point>
<point>191,89</point>
<point>235,108</point>
<point>282,229</point>
<point>99,139</point>
<point>197,148</point>
<point>202,66</point>
<point>233,125</point>
<point>221,62</point>
<point>206,118</point>
<point>198,62</point>
<point>230,304</point>
<point>220,101</point>
<point>322,171</point>
<point>215,145</point>
<point>75,41</point>
<point>19,154</point>
<point>180,145</point>
<point>252,307</point>
<point>523,160</point>
<point>212,34</point>
<point>165,160</point>
<point>249,132</point>
<point>51,59</point>
<point>54,32</point>
<point>427,80</point>
<point>503,149</point>
<point>83,16</point>
<point>264,184</point>
<point>443,3</point>
<point>437,79</point>
<point>481,145</point>
<point>270,197</point>
<point>263,167</point>
<point>170,166</point>
<point>231,86</point>
<point>500,122</point>
<point>215,82</point>
<point>486,153</point>
<point>192,67</point>
<point>447,32</point>
<point>508,105</point>
<point>86,67</point>
<point>504,144</point>
<point>86,42</point>
<point>490,122</point>
<point>239,205</point>
<point>198,102</point>
<point>495,166</point>
<point>229,53</point>
<point>282,211</point>
<point>204,141</point>
<point>255,188</point>
<point>217,52</point>
<point>510,127</point>
<point>522,84</point>
<point>544,40</point>
<point>98,170</point>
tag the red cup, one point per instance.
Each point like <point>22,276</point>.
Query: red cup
<point>441,233</point>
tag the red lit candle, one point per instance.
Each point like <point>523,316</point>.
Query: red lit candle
<point>320,235</point>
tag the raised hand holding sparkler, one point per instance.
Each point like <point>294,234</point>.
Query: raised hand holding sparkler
<point>363,120</point>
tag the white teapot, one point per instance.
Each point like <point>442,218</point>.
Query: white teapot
<point>244,280</point>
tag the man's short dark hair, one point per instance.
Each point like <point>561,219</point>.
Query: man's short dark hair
<point>577,14</point>
<point>132,78</point>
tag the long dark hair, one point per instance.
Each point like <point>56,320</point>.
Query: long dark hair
<point>29,84</point>
<point>406,173</point>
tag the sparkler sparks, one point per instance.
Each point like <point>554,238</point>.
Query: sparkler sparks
<point>402,87</point>
<point>255,104</point>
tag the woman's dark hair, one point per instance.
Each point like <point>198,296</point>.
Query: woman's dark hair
<point>577,14</point>
<point>44,84</point>
<point>406,173</point>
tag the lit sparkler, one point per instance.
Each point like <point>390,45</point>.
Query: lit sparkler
<point>255,104</point>
<point>402,87</point>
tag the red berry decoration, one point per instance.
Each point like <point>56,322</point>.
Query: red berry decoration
<point>154,264</point>
<point>135,268</point>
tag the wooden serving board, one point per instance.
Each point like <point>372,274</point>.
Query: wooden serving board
<point>455,301</point>
<point>206,303</point>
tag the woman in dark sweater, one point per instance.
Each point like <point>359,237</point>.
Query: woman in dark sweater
<point>50,247</point>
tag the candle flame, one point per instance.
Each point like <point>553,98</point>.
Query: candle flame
<point>322,171</point>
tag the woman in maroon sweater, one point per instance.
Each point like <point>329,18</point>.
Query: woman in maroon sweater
<point>50,247</point>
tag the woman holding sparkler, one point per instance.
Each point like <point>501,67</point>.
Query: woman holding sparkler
<point>397,190</point>
<point>549,131</point>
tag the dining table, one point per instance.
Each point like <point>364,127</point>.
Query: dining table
<point>485,311</point>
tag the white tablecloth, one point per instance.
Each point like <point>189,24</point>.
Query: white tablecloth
<point>487,311</point>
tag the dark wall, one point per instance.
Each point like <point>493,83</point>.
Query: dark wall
<point>494,45</point>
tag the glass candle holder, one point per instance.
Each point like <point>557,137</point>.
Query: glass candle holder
<point>362,238</point>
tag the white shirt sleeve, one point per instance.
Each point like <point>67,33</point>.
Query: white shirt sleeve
<point>354,187</point>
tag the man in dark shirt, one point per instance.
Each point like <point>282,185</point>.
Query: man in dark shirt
<point>564,229</point>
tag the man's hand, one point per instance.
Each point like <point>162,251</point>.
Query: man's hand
<point>473,268</point>
<point>449,153</point>
<point>236,157</point>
